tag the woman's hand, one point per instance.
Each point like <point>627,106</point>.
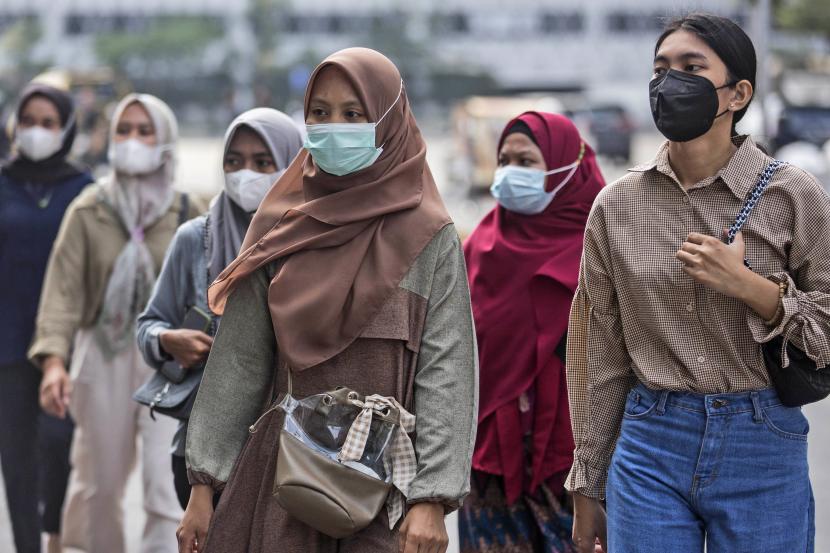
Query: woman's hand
<point>188,347</point>
<point>715,264</point>
<point>423,530</point>
<point>589,525</point>
<point>193,529</point>
<point>721,267</point>
<point>55,387</point>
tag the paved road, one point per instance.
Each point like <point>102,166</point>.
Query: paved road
<point>199,173</point>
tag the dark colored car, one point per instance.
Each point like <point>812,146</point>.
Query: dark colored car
<point>803,124</point>
<point>612,130</point>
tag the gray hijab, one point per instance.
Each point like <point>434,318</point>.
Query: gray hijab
<point>227,222</point>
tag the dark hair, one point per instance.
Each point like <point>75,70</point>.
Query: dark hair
<point>521,127</point>
<point>727,39</point>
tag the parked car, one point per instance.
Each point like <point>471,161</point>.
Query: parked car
<point>610,130</point>
<point>803,124</point>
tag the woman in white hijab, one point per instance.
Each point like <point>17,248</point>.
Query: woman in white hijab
<point>100,275</point>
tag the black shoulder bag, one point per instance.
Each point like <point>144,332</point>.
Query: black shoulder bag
<point>802,381</point>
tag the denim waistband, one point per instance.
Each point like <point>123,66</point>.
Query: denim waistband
<point>713,404</point>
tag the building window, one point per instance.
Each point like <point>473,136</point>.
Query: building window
<point>636,22</point>
<point>563,22</point>
<point>450,23</point>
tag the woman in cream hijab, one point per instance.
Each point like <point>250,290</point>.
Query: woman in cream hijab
<point>100,275</point>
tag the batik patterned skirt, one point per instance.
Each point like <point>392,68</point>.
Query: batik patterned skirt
<point>536,523</point>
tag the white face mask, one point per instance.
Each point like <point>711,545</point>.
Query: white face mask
<point>247,188</point>
<point>37,143</point>
<point>133,157</point>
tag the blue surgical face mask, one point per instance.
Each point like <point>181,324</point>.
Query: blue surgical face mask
<point>522,189</point>
<point>344,148</point>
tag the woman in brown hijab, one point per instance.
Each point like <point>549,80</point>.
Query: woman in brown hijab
<point>351,274</point>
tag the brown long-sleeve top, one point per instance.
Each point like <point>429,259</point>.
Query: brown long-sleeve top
<point>638,316</point>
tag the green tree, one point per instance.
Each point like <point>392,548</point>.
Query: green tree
<point>18,42</point>
<point>804,15</point>
<point>169,38</point>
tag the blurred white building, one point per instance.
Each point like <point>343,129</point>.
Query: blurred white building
<point>523,44</point>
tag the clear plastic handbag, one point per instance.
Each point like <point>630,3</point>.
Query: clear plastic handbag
<point>340,457</point>
<point>321,422</point>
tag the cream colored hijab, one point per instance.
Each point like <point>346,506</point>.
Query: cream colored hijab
<point>138,201</point>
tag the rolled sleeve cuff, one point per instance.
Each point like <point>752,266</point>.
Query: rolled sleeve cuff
<point>155,344</point>
<point>197,478</point>
<point>587,479</point>
<point>49,345</point>
<point>450,504</point>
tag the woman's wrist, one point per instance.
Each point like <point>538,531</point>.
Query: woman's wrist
<point>759,293</point>
<point>164,337</point>
<point>51,363</point>
<point>201,493</point>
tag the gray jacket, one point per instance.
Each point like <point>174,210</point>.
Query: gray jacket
<point>182,284</point>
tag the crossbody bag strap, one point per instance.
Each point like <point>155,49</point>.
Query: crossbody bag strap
<point>184,208</point>
<point>752,201</point>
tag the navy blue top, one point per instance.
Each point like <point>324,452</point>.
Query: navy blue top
<point>30,216</point>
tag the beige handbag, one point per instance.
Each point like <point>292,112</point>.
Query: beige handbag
<point>340,456</point>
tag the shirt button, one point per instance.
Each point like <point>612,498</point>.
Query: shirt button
<point>685,199</point>
<point>701,359</point>
<point>690,307</point>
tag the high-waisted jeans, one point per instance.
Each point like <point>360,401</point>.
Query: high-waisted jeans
<point>725,470</point>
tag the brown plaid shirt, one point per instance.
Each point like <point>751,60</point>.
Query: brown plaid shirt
<point>637,315</point>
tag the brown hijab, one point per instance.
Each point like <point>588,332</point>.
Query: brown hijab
<point>346,242</point>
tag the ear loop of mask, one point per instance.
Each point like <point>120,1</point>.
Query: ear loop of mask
<point>375,126</point>
<point>572,167</point>
<point>724,86</point>
<point>400,93</point>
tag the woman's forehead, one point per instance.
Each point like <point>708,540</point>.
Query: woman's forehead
<point>684,44</point>
<point>331,82</point>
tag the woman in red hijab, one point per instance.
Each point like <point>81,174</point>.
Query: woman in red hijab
<point>523,264</point>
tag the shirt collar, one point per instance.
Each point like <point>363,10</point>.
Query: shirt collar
<point>740,174</point>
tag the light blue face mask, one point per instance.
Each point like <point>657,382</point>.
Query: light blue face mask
<point>344,148</point>
<point>522,189</point>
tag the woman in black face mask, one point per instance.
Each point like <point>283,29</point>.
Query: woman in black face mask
<point>676,423</point>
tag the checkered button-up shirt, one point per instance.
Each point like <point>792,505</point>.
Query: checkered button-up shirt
<point>637,316</point>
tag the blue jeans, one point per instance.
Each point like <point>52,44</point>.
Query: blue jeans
<point>727,470</point>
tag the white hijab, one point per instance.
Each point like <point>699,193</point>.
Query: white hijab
<point>138,201</point>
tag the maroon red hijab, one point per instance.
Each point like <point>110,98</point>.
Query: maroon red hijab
<point>523,272</point>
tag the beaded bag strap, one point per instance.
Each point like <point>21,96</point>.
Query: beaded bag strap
<point>749,205</point>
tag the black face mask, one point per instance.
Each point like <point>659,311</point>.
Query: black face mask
<point>684,106</point>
